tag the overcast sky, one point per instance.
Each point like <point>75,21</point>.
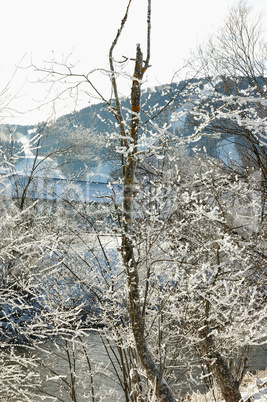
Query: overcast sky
<point>41,30</point>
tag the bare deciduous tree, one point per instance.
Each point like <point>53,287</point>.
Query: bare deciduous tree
<point>167,275</point>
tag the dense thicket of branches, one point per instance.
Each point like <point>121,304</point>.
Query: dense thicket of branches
<point>160,287</point>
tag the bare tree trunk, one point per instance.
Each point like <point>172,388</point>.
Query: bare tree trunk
<point>228,385</point>
<point>138,325</point>
<point>154,375</point>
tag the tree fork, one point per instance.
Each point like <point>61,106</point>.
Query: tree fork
<point>228,385</point>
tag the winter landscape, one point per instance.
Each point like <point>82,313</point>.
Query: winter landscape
<point>133,230</point>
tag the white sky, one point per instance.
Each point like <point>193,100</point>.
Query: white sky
<point>40,30</point>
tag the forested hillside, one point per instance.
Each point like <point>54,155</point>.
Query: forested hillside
<point>169,106</point>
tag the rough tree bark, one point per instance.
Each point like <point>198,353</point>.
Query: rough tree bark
<point>153,373</point>
<point>228,385</point>
<point>163,391</point>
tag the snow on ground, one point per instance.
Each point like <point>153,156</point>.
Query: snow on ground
<point>256,389</point>
<point>253,388</point>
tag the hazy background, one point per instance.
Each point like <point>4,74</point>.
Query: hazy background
<point>35,31</point>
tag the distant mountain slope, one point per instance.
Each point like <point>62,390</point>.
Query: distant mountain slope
<point>80,142</point>
<point>95,121</point>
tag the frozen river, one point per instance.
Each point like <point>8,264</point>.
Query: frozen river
<point>108,390</point>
